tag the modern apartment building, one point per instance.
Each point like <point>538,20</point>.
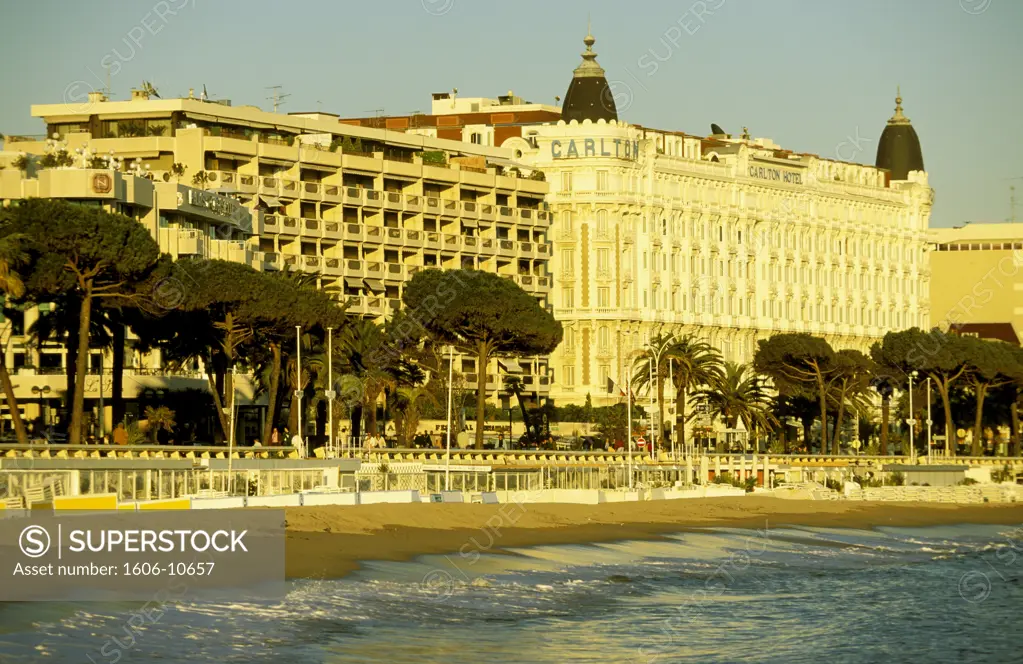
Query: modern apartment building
<point>207,223</point>
<point>363,208</point>
<point>731,238</point>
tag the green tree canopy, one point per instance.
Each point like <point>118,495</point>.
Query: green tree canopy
<point>799,362</point>
<point>90,253</point>
<point>482,313</point>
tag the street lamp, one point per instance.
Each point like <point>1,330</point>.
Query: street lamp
<point>330,393</point>
<point>39,392</point>
<point>298,381</point>
<point>910,421</point>
<point>447,457</point>
<point>929,442</point>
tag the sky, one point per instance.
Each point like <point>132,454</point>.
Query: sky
<point>814,76</point>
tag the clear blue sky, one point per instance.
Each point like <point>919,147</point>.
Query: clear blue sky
<point>814,76</point>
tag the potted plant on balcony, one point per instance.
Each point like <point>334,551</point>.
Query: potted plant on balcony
<point>200,179</point>
<point>177,171</point>
<point>21,162</point>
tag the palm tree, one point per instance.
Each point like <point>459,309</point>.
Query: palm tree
<point>692,363</point>
<point>11,285</point>
<point>408,404</point>
<point>740,394</point>
<point>370,359</point>
<point>160,417</point>
<point>652,366</point>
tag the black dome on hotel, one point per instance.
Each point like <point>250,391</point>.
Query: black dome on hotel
<point>898,149</point>
<point>589,97</point>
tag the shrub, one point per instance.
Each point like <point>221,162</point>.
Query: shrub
<point>897,479</point>
<point>968,481</point>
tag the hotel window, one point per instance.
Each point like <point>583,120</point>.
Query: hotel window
<point>603,259</point>
<point>566,181</point>
<point>567,261</point>
<point>601,180</point>
<point>567,222</point>
<point>603,338</point>
<point>603,297</point>
<point>569,339</point>
<point>567,297</point>
<point>568,376</point>
<point>601,222</point>
<point>605,373</point>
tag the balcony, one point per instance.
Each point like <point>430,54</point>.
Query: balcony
<point>354,268</point>
<point>394,272</point>
<point>413,204</point>
<point>311,264</point>
<point>452,242</point>
<point>527,215</point>
<point>433,240</point>
<point>393,201</point>
<point>414,238</point>
<point>449,209</point>
<point>311,191</point>
<point>247,184</point>
<point>269,260</point>
<point>289,188</point>
<point>354,232</point>
<point>331,193</point>
<point>433,205</point>
<point>374,234</point>
<point>487,212</point>
<point>189,242</point>
<point>269,186</point>
<point>353,195</point>
<point>271,223</point>
<point>290,226</point>
<point>374,198</point>
<point>393,237</point>
<point>311,228</point>
<point>506,248</point>
<point>505,213</point>
<point>332,230</point>
<point>543,218</point>
<point>470,210</point>
<point>374,270</point>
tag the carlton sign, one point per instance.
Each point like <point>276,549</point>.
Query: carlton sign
<point>595,147</point>
<point>775,174</point>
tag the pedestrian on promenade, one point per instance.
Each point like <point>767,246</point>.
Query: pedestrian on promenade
<point>275,437</point>
<point>296,442</point>
<point>120,434</point>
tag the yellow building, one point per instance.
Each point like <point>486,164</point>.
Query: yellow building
<point>365,209</point>
<point>976,276</point>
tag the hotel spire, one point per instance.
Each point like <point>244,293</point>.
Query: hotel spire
<point>589,97</point>
<point>898,149</point>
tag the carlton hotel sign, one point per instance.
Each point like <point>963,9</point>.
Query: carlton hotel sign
<point>775,174</point>
<point>595,147</point>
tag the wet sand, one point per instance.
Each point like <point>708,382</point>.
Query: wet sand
<point>329,542</point>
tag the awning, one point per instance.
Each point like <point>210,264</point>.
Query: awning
<point>470,223</point>
<point>318,167</point>
<point>276,162</point>
<point>509,366</point>
<point>149,154</point>
<point>270,201</point>
<point>354,282</point>
<point>230,156</point>
<point>375,285</point>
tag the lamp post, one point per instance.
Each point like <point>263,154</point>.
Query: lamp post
<point>101,413</point>
<point>298,381</point>
<point>447,456</point>
<point>230,438</point>
<point>910,421</point>
<point>331,393</point>
<point>929,442</point>
<point>39,392</point>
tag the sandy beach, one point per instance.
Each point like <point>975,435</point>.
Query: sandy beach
<point>329,542</point>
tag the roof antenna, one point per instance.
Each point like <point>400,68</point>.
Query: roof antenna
<point>277,98</point>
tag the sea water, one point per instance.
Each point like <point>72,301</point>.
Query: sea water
<point>772,594</point>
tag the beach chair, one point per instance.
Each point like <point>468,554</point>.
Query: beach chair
<point>81,454</point>
<point>175,455</point>
<point>294,455</point>
<point>95,454</point>
<point>62,454</point>
<point>205,455</point>
<point>45,454</point>
<point>320,453</point>
<point>220,455</point>
<point>190,455</point>
<point>144,454</point>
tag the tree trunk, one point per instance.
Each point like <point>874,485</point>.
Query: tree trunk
<point>1014,434</point>
<point>356,423</point>
<point>117,375</point>
<point>824,416</point>
<point>75,436</point>
<point>321,418</point>
<point>950,441</point>
<point>885,408</point>
<point>784,439</point>
<point>836,442</point>
<point>680,418</point>
<point>275,382</point>
<point>371,415</point>
<point>295,405</point>
<point>978,423</point>
<point>482,359</point>
<point>217,403</point>
<point>660,408</point>
<point>71,369</point>
<point>12,403</point>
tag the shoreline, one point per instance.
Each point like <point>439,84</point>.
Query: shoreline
<point>332,542</point>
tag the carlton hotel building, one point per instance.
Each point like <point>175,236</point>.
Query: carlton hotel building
<point>730,239</point>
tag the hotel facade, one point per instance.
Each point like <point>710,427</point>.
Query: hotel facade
<point>730,239</point>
